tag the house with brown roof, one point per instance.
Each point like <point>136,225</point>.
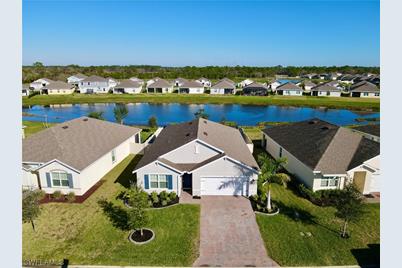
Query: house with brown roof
<point>159,86</point>
<point>73,156</point>
<point>325,156</point>
<point>326,90</point>
<point>57,88</point>
<point>127,86</point>
<point>201,157</point>
<point>223,87</point>
<point>364,89</point>
<point>191,87</point>
<point>289,89</point>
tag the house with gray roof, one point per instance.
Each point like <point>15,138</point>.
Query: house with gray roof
<point>159,86</point>
<point>127,86</point>
<point>57,88</point>
<point>179,81</point>
<point>94,84</point>
<point>325,156</point>
<point>326,90</point>
<point>370,131</point>
<point>289,89</point>
<point>39,83</point>
<point>76,79</point>
<point>223,87</point>
<point>255,89</point>
<point>73,156</point>
<point>307,85</point>
<point>201,157</point>
<point>364,89</point>
<point>191,87</point>
<point>205,81</point>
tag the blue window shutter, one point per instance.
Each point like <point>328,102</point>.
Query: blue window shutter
<point>48,180</point>
<point>146,182</point>
<point>170,182</point>
<point>70,180</point>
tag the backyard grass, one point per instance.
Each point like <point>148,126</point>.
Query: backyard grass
<point>31,127</point>
<point>286,245</point>
<point>83,234</point>
<point>309,101</point>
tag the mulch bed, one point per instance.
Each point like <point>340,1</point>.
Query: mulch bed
<point>146,235</point>
<point>78,199</point>
<point>172,202</point>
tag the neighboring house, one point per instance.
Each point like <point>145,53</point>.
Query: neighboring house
<point>127,86</point>
<point>322,155</point>
<point>346,78</point>
<point>191,87</point>
<point>57,88</point>
<point>160,86</point>
<point>178,82</point>
<point>370,131</point>
<point>223,87</point>
<point>206,82</point>
<point>374,79</point>
<point>94,84</point>
<point>326,90</point>
<point>289,89</point>
<point>332,76</point>
<point>112,82</point>
<point>38,84</point>
<point>308,76</point>
<point>255,89</point>
<point>151,81</point>
<point>364,89</point>
<point>244,83</point>
<point>274,85</point>
<point>73,156</point>
<point>25,90</point>
<point>76,79</point>
<point>308,85</point>
<point>138,80</point>
<point>201,157</point>
<point>228,80</point>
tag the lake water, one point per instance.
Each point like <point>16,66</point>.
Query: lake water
<point>175,113</point>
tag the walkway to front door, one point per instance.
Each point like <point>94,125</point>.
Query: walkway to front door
<point>229,234</point>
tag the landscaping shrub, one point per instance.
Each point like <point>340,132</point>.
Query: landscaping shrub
<point>154,198</point>
<point>207,91</point>
<point>70,197</point>
<point>320,197</point>
<point>164,203</point>
<point>57,195</point>
<point>239,92</point>
<point>163,196</point>
<point>152,122</point>
<point>172,195</point>
<point>33,93</point>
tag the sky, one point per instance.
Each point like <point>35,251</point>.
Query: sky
<point>202,33</point>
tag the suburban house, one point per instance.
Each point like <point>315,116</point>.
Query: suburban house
<point>370,131</point>
<point>289,89</point>
<point>206,82</point>
<point>178,82</point>
<point>308,76</point>
<point>76,79</point>
<point>25,90</point>
<point>57,88</point>
<point>324,156</point>
<point>274,85</point>
<point>244,83</point>
<point>160,86</point>
<point>308,85</point>
<point>374,79</point>
<point>326,90</point>
<point>255,89</point>
<point>127,86</point>
<point>138,80</point>
<point>228,80</point>
<point>346,78</point>
<point>38,84</point>
<point>364,89</point>
<point>191,87</point>
<point>223,87</point>
<point>151,81</point>
<point>112,82</point>
<point>73,156</point>
<point>94,84</point>
<point>200,157</point>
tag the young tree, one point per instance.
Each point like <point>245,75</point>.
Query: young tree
<point>152,122</point>
<point>137,215</point>
<point>96,115</point>
<point>120,112</point>
<point>30,205</point>
<point>269,174</point>
<point>349,206</point>
<point>201,114</point>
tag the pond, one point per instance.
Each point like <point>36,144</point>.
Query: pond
<point>167,113</point>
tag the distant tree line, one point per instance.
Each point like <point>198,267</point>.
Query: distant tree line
<point>38,70</point>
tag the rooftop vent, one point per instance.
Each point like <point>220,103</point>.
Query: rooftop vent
<point>188,134</point>
<point>85,119</point>
<point>205,121</point>
<point>64,127</point>
<point>325,128</point>
<point>312,122</point>
<point>190,123</point>
<point>206,134</point>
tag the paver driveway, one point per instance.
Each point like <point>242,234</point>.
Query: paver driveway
<point>229,234</point>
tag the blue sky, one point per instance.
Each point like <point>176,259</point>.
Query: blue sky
<point>180,33</point>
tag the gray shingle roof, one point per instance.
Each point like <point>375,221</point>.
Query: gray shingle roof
<point>58,85</point>
<point>289,86</point>
<point>226,138</point>
<point>309,83</point>
<point>77,143</point>
<point>372,129</point>
<point>325,87</point>
<point>94,78</point>
<point>80,76</point>
<point>255,85</point>
<point>188,84</point>
<point>127,83</point>
<point>160,83</point>
<point>223,84</point>
<point>364,86</point>
<point>323,146</point>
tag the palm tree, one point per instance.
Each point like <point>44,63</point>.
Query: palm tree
<point>269,174</point>
<point>120,112</point>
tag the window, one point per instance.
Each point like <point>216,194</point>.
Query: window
<point>59,179</point>
<point>158,181</point>
<point>287,92</point>
<point>377,94</point>
<point>113,156</point>
<point>280,151</point>
<point>365,94</point>
<point>329,182</point>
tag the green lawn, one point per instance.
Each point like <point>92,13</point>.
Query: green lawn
<point>31,127</point>
<point>83,234</point>
<point>341,102</point>
<point>146,133</point>
<point>281,233</point>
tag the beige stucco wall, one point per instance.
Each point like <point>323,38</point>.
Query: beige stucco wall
<point>29,179</point>
<point>60,91</point>
<point>331,94</point>
<point>292,93</point>
<point>187,153</point>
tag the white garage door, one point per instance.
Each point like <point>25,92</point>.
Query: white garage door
<point>224,185</point>
<point>375,183</point>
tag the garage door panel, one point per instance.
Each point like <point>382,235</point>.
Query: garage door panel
<point>224,185</point>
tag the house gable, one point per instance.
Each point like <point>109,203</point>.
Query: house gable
<point>192,152</point>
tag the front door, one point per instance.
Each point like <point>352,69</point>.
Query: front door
<point>187,183</point>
